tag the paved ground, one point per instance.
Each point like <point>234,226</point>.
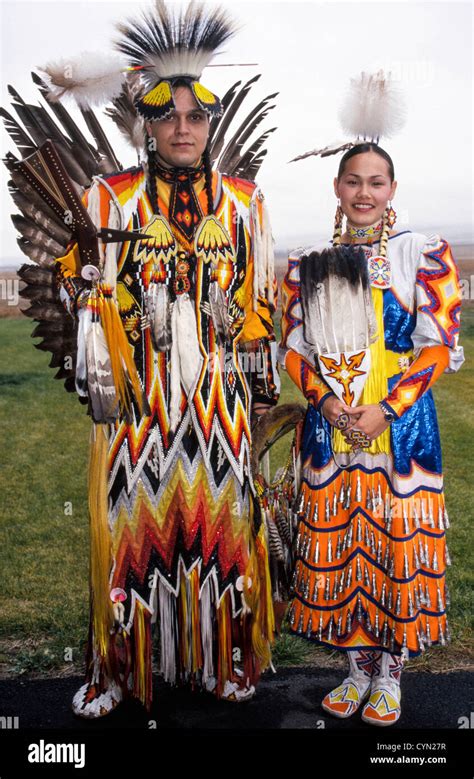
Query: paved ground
<point>287,699</point>
<point>282,725</point>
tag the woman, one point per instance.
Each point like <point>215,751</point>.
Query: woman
<point>371,549</point>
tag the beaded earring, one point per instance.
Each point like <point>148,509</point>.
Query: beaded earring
<point>391,215</point>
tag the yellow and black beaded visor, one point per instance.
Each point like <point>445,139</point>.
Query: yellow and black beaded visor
<point>159,101</point>
<point>167,49</point>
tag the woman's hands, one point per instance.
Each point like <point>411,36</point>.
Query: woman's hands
<point>368,419</point>
<point>332,408</point>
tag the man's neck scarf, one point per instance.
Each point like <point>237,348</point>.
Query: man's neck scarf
<point>185,210</point>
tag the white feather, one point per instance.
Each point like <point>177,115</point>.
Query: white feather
<point>90,79</point>
<point>186,358</point>
<point>159,309</point>
<point>176,62</point>
<point>84,316</point>
<point>374,107</point>
<point>339,317</point>
<point>100,381</point>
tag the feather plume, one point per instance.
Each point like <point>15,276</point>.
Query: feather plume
<point>46,312</point>
<point>230,156</point>
<point>126,117</point>
<point>186,358</point>
<point>216,121</point>
<point>158,305</point>
<point>57,358</point>
<point>85,153</point>
<point>249,163</point>
<point>374,107</point>
<point>108,162</point>
<point>333,283</point>
<point>50,329</point>
<point>219,312</point>
<point>100,382</point>
<point>18,183</point>
<point>217,139</point>
<point>40,130</point>
<point>20,138</point>
<point>35,254</point>
<point>233,149</point>
<point>52,227</point>
<point>59,346</point>
<point>31,274</point>
<point>325,151</point>
<point>174,45</point>
<point>85,318</point>
<point>90,79</point>
<point>36,236</point>
<point>38,294</point>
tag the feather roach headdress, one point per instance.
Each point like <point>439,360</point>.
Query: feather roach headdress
<point>165,48</point>
<point>374,108</point>
<point>156,51</point>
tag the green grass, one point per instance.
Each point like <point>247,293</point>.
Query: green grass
<point>44,551</point>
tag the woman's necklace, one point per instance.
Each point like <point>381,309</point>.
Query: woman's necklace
<point>371,232</point>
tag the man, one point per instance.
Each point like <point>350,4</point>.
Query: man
<point>177,539</point>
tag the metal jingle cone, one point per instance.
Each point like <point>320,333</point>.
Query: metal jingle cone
<point>410,604</point>
<point>398,606</point>
<point>316,551</point>
<point>427,596</point>
<point>329,551</point>
<point>390,600</point>
<point>327,588</point>
<point>335,587</point>
<point>348,622</point>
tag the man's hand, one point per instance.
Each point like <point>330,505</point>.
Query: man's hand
<point>368,419</point>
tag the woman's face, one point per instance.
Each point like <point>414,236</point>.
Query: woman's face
<point>364,188</point>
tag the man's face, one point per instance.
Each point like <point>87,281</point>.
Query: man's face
<point>182,136</point>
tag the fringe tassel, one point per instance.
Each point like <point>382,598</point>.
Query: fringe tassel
<point>196,652</point>
<point>126,380</point>
<point>205,607</point>
<point>258,597</point>
<point>142,661</point>
<point>263,253</point>
<point>100,554</point>
<point>167,605</point>
<point>224,630</point>
<point>184,628</point>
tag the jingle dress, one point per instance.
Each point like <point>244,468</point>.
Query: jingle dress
<point>184,528</point>
<point>371,540</point>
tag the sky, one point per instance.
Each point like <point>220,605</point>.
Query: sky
<point>307,52</point>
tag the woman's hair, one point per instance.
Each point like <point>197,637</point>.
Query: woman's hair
<point>363,148</point>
